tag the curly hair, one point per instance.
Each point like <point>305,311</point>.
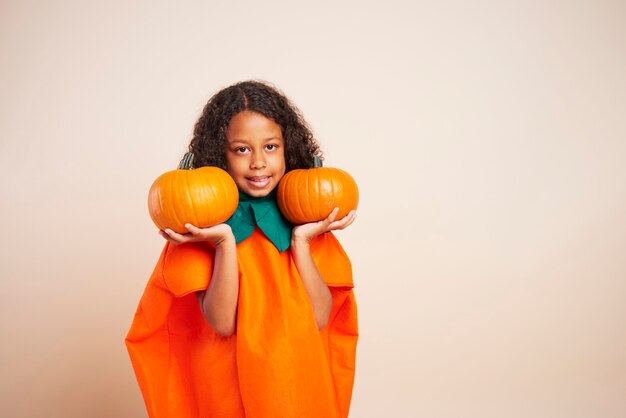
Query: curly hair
<point>209,136</point>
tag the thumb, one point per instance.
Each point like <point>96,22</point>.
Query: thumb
<point>194,230</point>
<point>332,216</point>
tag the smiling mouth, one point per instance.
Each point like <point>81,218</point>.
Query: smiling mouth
<point>259,181</point>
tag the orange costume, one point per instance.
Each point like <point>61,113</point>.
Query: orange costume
<point>278,364</point>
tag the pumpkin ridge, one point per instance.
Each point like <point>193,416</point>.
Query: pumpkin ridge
<point>199,196</point>
<point>162,209</point>
<point>304,200</point>
<point>166,206</point>
<point>285,183</point>
<point>221,184</point>
<point>316,182</point>
<point>342,201</point>
<point>215,189</point>
<point>208,193</point>
<point>347,195</point>
<point>192,211</point>
<point>154,199</point>
<point>231,189</point>
<point>354,192</point>
<point>174,207</point>
<point>344,198</point>
<point>302,209</point>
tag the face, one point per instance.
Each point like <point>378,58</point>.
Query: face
<point>255,153</point>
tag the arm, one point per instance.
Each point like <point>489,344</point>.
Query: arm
<point>219,302</point>
<point>319,294</point>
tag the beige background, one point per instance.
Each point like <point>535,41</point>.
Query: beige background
<point>488,139</point>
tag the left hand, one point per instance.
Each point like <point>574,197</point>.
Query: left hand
<point>307,232</point>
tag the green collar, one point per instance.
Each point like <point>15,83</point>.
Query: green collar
<point>263,212</point>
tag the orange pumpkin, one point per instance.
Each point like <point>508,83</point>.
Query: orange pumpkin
<point>310,195</point>
<point>203,197</point>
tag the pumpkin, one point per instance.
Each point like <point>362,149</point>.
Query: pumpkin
<point>310,195</point>
<point>203,197</point>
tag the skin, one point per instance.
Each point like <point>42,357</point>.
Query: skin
<point>255,159</point>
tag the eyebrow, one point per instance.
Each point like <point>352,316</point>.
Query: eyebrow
<point>246,141</point>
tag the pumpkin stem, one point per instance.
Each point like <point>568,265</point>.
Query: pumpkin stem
<point>185,163</point>
<point>317,161</point>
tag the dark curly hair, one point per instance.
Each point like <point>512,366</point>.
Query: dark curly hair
<point>209,136</point>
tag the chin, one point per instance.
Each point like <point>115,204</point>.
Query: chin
<point>258,193</point>
<point>253,191</point>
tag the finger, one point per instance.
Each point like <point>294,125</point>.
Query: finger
<point>167,237</point>
<point>174,236</point>
<point>332,216</point>
<point>350,221</point>
<point>167,233</point>
<point>324,225</point>
<point>343,223</point>
<point>193,229</point>
<point>345,219</point>
<point>352,216</point>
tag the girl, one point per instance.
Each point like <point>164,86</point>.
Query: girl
<point>250,318</point>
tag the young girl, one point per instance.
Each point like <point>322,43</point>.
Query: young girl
<point>253,317</point>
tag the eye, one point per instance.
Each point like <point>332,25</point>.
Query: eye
<point>271,147</point>
<point>241,150</point>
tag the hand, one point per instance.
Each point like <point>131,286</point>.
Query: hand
<point>214,234</point>
<point>309,231</point>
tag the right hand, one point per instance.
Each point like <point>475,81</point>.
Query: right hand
<point>306,232</point>
<point>214,234</point>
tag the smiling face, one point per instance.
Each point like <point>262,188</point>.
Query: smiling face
<point>255,153</point>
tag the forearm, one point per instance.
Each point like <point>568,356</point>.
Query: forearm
<point>319,294</point>
<point>219,302</point>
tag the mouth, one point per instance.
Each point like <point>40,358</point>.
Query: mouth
<point>259,182</point>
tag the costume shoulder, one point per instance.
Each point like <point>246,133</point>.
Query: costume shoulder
<point>187,267</point>
<point>332,261</point>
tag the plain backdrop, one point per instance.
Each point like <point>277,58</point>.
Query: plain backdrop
<point>488,139</point>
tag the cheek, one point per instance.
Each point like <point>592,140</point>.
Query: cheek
<point>279,159</point>
<point>280,162</point>
<point>233,166</point>
<point>229,166</point>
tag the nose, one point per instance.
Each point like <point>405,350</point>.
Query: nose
<point>258,162</point>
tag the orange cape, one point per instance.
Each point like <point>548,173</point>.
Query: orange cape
<point>278,364</point>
